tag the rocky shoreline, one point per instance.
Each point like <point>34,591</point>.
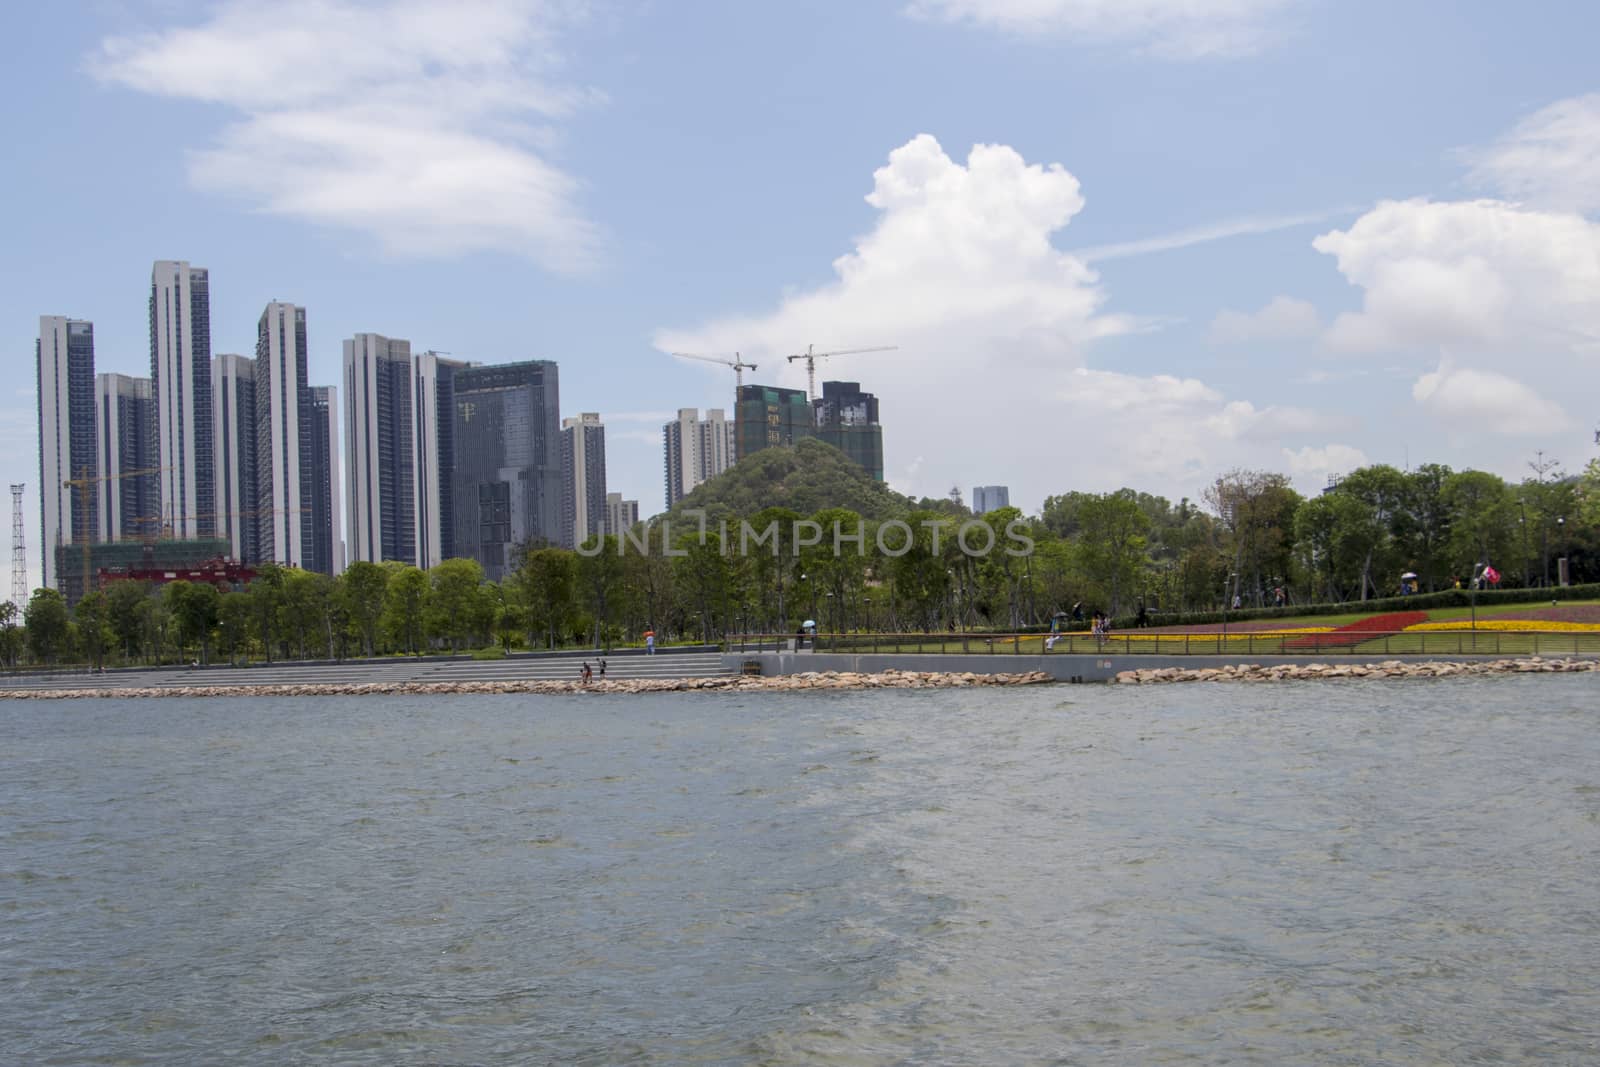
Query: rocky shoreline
<point>839,680</point>
<point>1255,672</point>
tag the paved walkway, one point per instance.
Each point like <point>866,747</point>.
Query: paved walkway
<point>566,668</point>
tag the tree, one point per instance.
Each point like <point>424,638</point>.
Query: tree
<point>404,621</point>
<point>545,583</point>
<point>599,574</point>
<point>235,613</point>
<point>45,620</point>
<point>266,598</point>
<point>459,608</point>
<point>10,634</point>
<point>128,612</point>
<point>1112,543</point>
<point>361,589</point>
<point>307,609</point>
<point>194,607</point>
<point>94,631</point>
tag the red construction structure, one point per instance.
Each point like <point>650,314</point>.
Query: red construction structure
<point>220,571</point>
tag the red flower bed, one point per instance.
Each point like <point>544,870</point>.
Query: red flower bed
<point>1354,633</point>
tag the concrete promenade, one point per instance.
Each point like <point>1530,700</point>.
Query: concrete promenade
<point>624,664</point>
<point>1063,667</point>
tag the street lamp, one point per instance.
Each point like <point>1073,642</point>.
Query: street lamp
<point>1477,571</point>
<point>1522,521</point>
<point>1561,541</point>
<point>866,603</point>
<point>1226,607</point>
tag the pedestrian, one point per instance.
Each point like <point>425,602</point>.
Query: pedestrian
<point>1236,602</point>
<point>602,669</point>
<point>587,673</point>
<point>649,642</point>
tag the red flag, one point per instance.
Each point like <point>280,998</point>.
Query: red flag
<point>1491,576</point>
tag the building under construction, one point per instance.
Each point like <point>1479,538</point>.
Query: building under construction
<point>157,561</point>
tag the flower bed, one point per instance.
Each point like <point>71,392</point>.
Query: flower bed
<point>1512,625</point>
<point>1354,633</point>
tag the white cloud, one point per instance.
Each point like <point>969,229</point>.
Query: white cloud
<point>1487,402</point>
<point>1283,319</point>
<point>418,123</point>
<point>989,383</point>
<point>1182,29</point>
<point>1216,231</point>
<point>1309,468</point>
<point>1551,159</point>
<point>1478,273</point>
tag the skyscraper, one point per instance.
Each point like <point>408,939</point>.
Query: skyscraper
<point>283,437</point>
<point>506,480</point>
<point>433,451</point>
<point>233,406</point>
<point>695,449</point>
<point>768,415</point>
<point>583,479</point>
<point>621,514</point>
<point>986,498</point>
<point>322,474</point>
<point>380,459</point>
<point>129,505</point>
<point>64,362</point>
<point>847,419</point>
<point>180,371</point>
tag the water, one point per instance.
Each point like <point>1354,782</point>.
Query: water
<point>1293,873</point>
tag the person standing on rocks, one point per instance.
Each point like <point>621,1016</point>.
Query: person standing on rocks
<point>587,673</point>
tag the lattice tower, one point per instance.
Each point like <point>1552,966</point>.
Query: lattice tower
<point>19,551</point>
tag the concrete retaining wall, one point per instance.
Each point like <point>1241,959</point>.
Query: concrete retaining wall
<point>1060,666</point>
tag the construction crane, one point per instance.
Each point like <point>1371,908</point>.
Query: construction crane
<point>82,483</point>
<point>811,358</point>
<point>737,363</point>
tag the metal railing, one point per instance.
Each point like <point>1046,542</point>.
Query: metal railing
<point>1188,643</point>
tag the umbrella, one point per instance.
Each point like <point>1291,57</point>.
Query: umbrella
<point>1409,574</point>
<point>809,623</point>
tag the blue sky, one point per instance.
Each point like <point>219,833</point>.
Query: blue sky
<point>1116,241</point>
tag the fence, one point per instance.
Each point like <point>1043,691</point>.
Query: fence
<point>1197,643</point>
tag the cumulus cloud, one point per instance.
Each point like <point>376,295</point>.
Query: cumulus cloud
<point>420,124</point>
<point>1468,273</point>
<point>1180,29</point>
<point>1487,402</point>
<point>990,382</point>
<point>1551,159</point>
<point>1283,319</point>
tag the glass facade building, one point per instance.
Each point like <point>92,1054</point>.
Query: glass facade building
<point>233,405</point>
<point>64,367</point>
<point>380,461</point>
<point>583,478</point>
<point>506,486</point>
<point>129,504</point>
<point>847,419</point>
<point>768,416</point>
<point>180,373</point>
<point>326,550</point>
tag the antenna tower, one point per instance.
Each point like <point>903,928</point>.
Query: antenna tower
<point>19,551</point>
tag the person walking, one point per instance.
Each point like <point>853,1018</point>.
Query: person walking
<point>649,642</point>
<point>602,669</point>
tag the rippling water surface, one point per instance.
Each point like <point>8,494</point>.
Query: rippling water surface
<point>1294,873</point>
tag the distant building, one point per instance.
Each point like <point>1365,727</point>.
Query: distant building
<point>64,362</point>
<point>233,409</point>
<point>768,416</point>
<point>433,455</point>
<point>847,419</point>
<point>129,505</point>
<point>506,469</point>
<point>987,498</point>
<point>583,479</point>
<point>283,438</point>
<point>379,452</point>
<point>180,374</point>
<point>327,548</point>
<point>695,449</point>
<point>621,514</point>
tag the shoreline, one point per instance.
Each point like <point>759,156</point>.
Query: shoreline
<point>831,680</point>
<point>1255,672</point>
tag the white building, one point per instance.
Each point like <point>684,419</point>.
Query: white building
<point>696,449</point>
<point>282,400</point>
<point>64,358</point>
<point>432,455</point>
<point>128,503</point>
<point>233,408</point>
<point>380,455</point>
<point>180,371</point>
<point>621,514</point>
<point>583,478</point>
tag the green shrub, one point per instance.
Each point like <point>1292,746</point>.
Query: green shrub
<point>492,652</point>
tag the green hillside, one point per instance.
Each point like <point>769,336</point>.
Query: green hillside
<point>806,478</point>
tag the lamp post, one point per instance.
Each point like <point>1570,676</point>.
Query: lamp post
<point>1227,606</point>
<point>1477,571</point>
<point>1522,521</point>
<point>866,607</point>
<point>1561,544</point>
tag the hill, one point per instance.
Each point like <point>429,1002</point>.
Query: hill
<point>806,478</point>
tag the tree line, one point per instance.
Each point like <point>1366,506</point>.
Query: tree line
<point>1250,537</point>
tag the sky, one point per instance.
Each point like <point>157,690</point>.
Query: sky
<point>1114,242</point>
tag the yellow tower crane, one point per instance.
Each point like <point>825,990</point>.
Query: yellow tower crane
<point>83,483</point>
